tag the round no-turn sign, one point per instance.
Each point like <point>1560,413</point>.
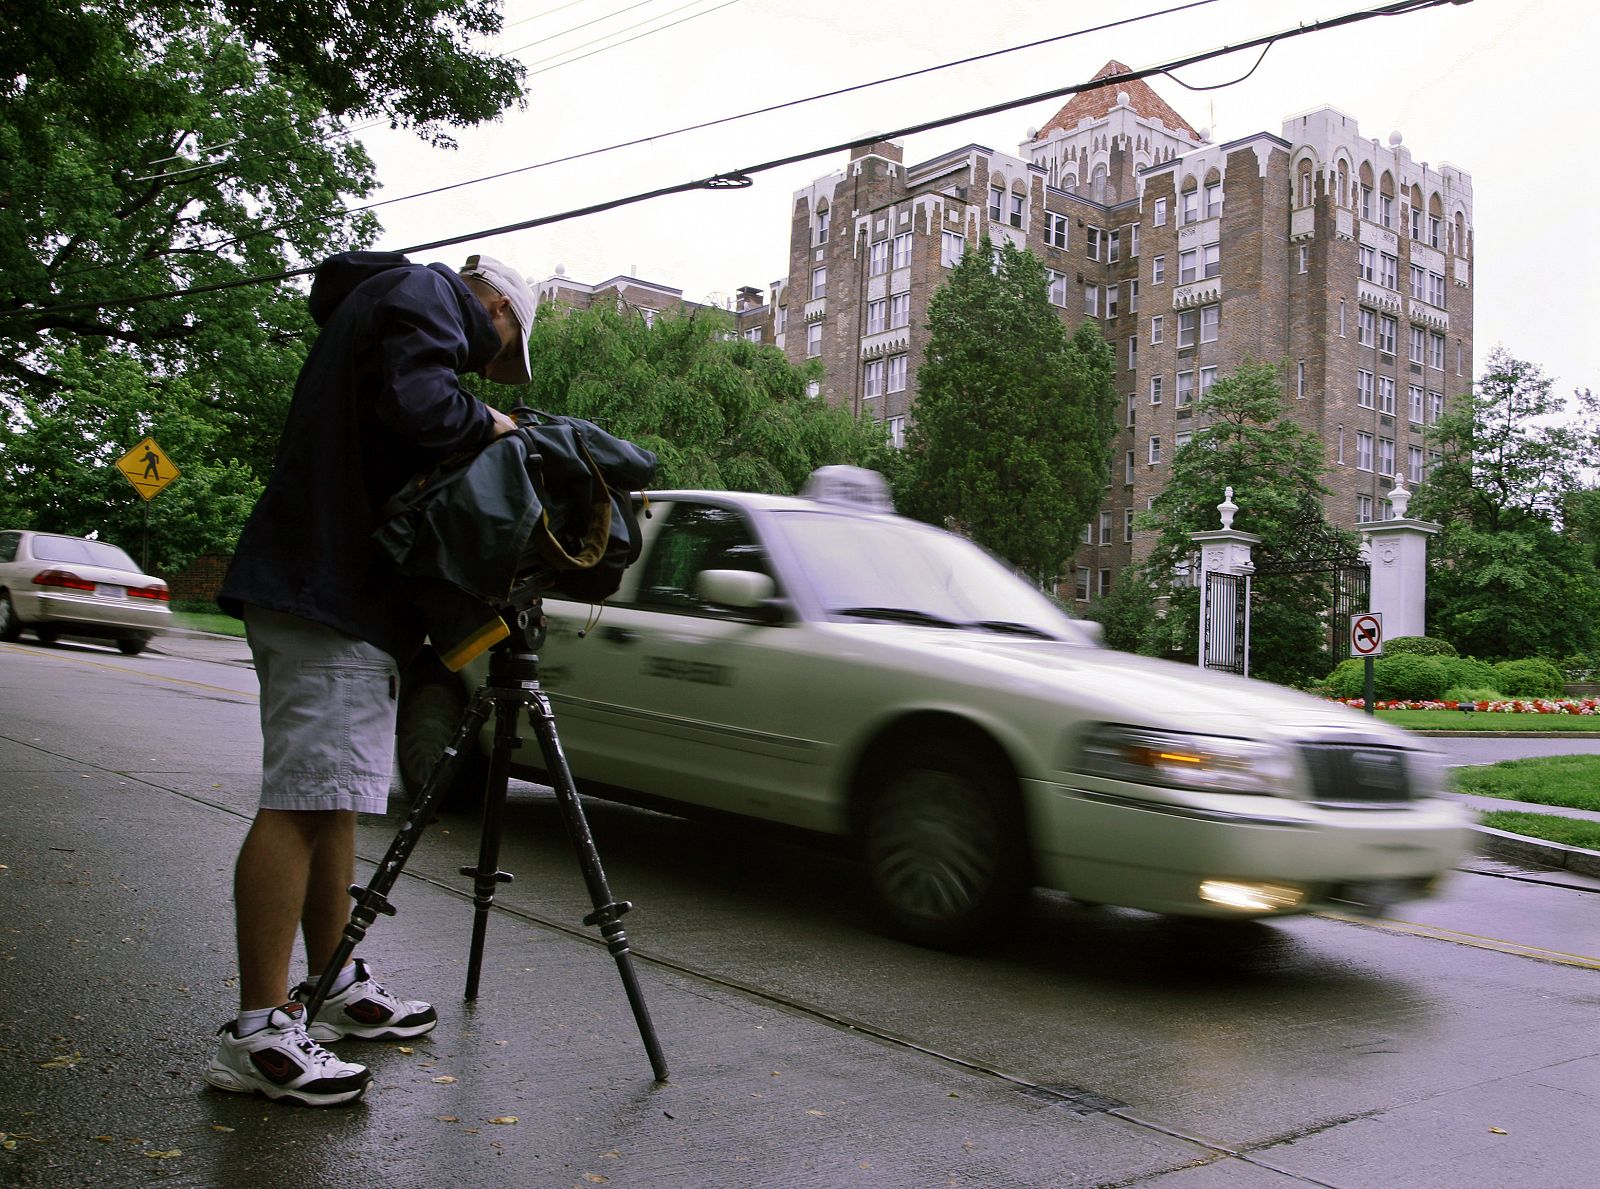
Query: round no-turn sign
<point>1366,634</point>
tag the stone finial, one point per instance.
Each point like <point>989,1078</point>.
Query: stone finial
<point>1227,508</point>
<point>1399,498</point>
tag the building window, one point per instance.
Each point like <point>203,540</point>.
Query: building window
<point>782,320</point>
<point>1341,317</point>
<point>819,282</point>
<point>1088,532</point>
<point>878,258</point>
<point>1388,329</point>
<point>1155,450</point>
<point>1386,209</point>
<point>1187,323</point>
<point>1416,223</point>
<point>1435,407</point>
<point>813,339</point>
<point>897,432</point>
<point>1419,343</point>
<point>1188,266</point>
<point>877,316</point>
<point>1190,200</point>
<point>1082,590</point>
<point>1210,323</point>
<point>1414,401</point>
<point>1386,395</point>
<point>1127,524</point>
<point>1133,351</point>
<point>1133,297</point>
<point>1113,246</point>
<point>902,250</point>
<point>1300,380</point>
<point>1303,257</point>
<point>1105,583</point>
<point>1058,287</point>
<point>1196,263</point>
<point>1367,263</point>
<point>1158,217</point>
<point>897,373</point>
<point>1133,407</point>
<point>1388,271</point>
<point>1363,509</point>
<point>1133,239</point>
<point>952,246</point>
<point>813,388</point>
<point>1113,292</point>
<point>1155,390</point>
<point>1366,203</point>
<point>1214,200</point>
<point>1127,470</point>
<point>900,309</point>
<point>1363,451</point>
<point>1364,388</point>
<point>753,334</point>
<point>1158,270</point>
<point>1435,231</point>
<point>872,378</point>
<point>1093,237</point>
<point>1055,229</point>
<point>1105,527</point>
<point>1385,456</point>
<point>1340,456</point>
<point>1179,441</point>
<point>1157,324</point>
<point>1436,351</point>
<point>1183,390</point>
<point>1436,290</point>
<point>1414,464</point>
<point>1091,300</point>
<point>997,201</point>
<point>1208,377</point>
<point>1419,282</point>
<point>822,226</point>
<point>1366,327</point>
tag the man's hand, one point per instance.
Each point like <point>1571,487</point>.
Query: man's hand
<point>502,423</point>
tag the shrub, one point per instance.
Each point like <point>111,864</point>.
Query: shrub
<point>1348,679</point>
<point>1418,646</point>
<point>1533,677</point>
<point>1457,693</point>
<point>1408,678</point>
<point>1471,673</point>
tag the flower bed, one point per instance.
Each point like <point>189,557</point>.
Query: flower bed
<point>1509,706</point>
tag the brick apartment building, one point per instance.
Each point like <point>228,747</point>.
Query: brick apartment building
<point>1343,259</point>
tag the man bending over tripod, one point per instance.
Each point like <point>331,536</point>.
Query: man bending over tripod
<point>378,400</point>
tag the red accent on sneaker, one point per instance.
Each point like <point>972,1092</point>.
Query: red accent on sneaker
<point>274,1065</point>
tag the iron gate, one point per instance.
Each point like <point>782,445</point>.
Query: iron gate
<point>1227,603</point>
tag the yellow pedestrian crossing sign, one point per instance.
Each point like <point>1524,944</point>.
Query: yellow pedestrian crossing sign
<point>147,468</point>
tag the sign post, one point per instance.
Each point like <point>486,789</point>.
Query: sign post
<point>1366,641</point>
<point>149,471</point>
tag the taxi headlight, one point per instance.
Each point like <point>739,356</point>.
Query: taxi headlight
<point>1209,763</point>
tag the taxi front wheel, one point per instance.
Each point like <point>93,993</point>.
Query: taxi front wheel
<point>944,845</point>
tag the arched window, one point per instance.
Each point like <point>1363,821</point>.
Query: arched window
<point>1304,193</point>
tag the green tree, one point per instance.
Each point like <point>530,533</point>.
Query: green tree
<point>1244,440</point>
<point>1011,438</point>
<point>61,473</point>
<point>1505,579</point>
<point>719,411</point>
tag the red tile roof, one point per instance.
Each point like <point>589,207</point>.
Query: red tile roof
<point>1098,102</point>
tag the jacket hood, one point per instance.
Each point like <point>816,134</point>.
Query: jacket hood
<point>338,275</point>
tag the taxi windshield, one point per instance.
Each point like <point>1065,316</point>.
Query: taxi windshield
<point>893,570</point>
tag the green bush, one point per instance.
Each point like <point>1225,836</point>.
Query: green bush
<point>1471,673</point>
<point>1348,679</point>
<point>1458,693</point>
<point>1533,677</point>
<point>1418,646</point>
<point>1409,678</point>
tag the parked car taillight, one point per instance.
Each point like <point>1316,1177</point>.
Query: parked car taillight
<point>65,579</point>
<point>155,591</point>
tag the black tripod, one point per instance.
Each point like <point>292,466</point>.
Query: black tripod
<point>512,684</point>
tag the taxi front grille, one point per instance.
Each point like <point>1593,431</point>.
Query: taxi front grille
<point>1342,774</point>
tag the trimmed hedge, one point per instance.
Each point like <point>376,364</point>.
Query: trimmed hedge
<point>1407,677</point>
<point>1418,646</point>
<point>1533,677</point>
<point>1471,673</point>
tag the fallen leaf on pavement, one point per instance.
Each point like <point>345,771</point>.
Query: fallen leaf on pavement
<point>1498,1131</point>
<point>504,1119</point>
<point>445,1079</point>
<point>167,1155</point>
<point>63,1062</point>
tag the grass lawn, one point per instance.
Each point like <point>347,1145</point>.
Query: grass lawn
<point>1454,720</point>
<point>1567,831</point>
<point>207,621</point>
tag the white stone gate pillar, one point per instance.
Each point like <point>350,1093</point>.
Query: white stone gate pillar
<point>1397,551</point>
<point>1225,551</point>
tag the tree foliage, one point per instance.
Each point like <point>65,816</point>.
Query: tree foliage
<point>1507,577</point>
<point>719,411</point>
<point>1243,440</point>
<point>1011,438</point>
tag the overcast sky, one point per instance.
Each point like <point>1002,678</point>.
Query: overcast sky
<point>1504,89</point>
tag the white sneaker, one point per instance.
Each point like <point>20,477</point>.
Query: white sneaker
<point>283,1062</point>
<point>365,1011</point>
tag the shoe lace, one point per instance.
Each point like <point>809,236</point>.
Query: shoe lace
<point>297,1036</point>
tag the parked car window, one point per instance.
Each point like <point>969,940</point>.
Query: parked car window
<point>91,553</point>
<point>8,546</point>
<point>696,538</point>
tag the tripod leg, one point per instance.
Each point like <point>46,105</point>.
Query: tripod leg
<point>607,912</point>
<point>487,874</point>
<point>373,899</point>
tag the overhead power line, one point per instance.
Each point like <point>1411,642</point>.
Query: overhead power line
<point>743,177</point>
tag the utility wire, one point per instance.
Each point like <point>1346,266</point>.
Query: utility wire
<point>742,177</point>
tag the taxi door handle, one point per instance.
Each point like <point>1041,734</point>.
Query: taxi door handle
<point>618,635</point>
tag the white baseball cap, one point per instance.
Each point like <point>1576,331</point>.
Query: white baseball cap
<point>507,282</point>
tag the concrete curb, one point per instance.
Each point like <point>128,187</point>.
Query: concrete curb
<point>1518,848</point>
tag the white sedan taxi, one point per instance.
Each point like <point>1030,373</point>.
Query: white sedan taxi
<point>58,586</point>
<point>853,672</point>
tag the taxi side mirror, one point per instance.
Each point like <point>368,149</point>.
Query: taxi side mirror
<point>742,590</point>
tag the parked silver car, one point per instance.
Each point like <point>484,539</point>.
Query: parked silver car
<point>860,674</point>
<point>70,586</point>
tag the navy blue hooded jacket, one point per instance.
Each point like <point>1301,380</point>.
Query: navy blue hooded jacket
<point>378,400</point>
